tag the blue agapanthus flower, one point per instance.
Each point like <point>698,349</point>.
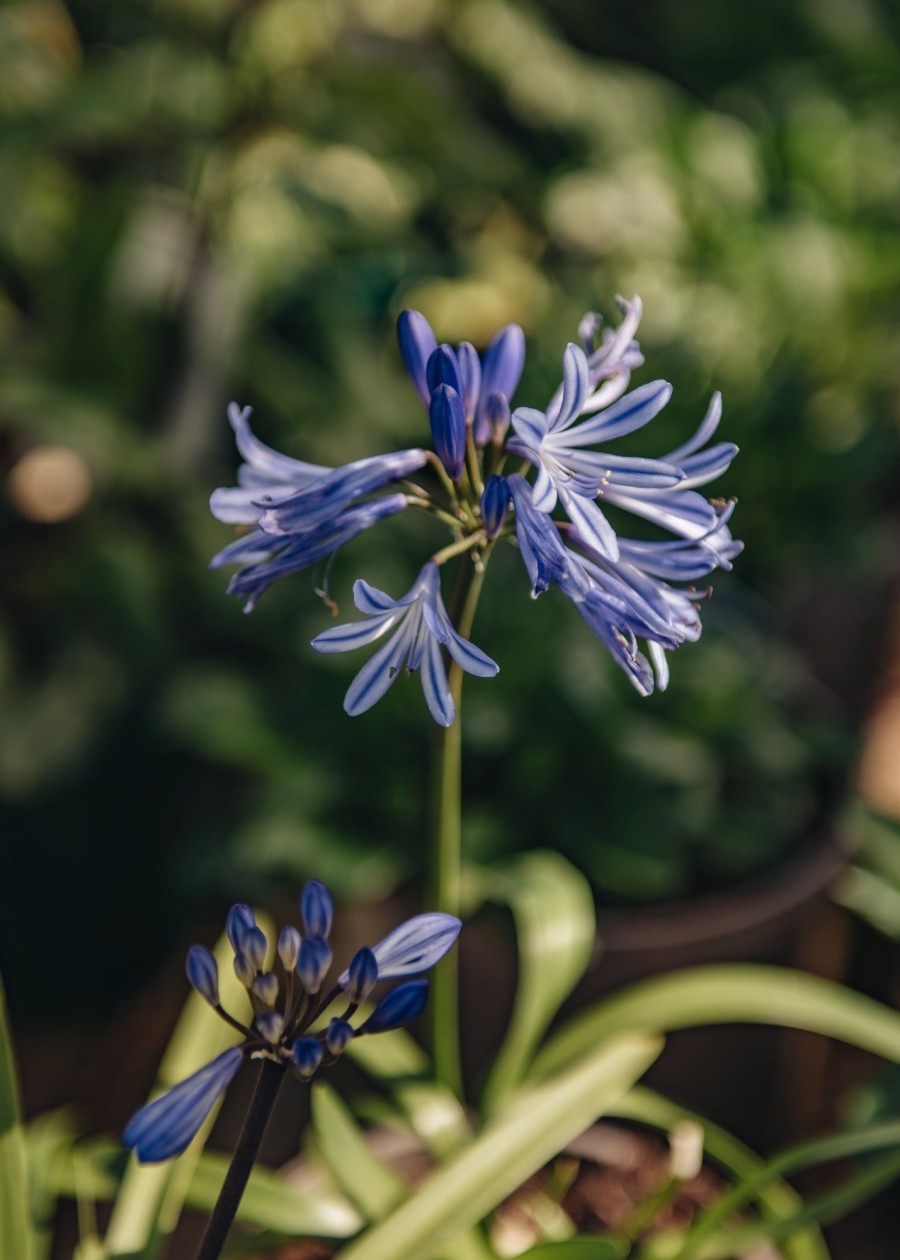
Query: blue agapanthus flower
<point>627,590</point>
<point>286,1006</point>
<point>421,629</point>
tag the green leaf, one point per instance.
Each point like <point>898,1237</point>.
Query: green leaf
<point>151,1197</point>
<point>583,1247</point>
<point>700,1241</point>
<point>731,994</point>
<point>361,1175</point>
<point>434,1112</point>
<point>553,909</point>
<point>271,1203</point>
<point>775,1200</point>
<point>16,1237</point>
<point>516,1143</point>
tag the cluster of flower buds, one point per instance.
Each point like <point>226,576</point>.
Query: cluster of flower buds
<point>289,1003</point>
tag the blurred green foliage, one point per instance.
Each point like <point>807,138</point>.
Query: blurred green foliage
<point>206,199</point>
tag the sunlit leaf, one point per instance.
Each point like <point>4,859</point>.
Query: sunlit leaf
<point>553,909</point>
<point>732,994</point>
<point>512,1147</point>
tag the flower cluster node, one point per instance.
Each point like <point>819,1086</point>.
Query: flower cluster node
<point>288,1016</point>
<point>624,589</point>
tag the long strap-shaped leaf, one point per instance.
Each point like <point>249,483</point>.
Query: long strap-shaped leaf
<point>512,1147</point>
<point>434,1112</point>
<point>728,995</point>
<point>553,909</point>
<point>365,1180</point>
<point>774,1198</point>
<point>16,1238</point>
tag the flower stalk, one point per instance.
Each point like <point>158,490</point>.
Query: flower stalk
<point>265,1094</point>
<point>445,852</point>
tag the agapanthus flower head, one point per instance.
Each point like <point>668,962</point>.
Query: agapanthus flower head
<point>420,628</point>
<point>561,508</point>
<point>283,1022</point>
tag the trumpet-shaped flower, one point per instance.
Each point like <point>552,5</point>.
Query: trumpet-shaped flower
<point>281,1024</point>
<point>625,600</point>
<point>166,1126</point>
<point>421,627</point>
<point>575,475</point>
<point>266,557</point>
<point>301,512</point>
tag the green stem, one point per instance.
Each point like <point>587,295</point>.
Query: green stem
<point>445,855</point>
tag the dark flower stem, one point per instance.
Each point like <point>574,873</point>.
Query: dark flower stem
<point>261,1104</point>
<point>445,864</point>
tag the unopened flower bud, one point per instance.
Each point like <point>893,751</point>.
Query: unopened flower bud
<point>203,973</point>
<point>270,1025</point>
<point>362,975</point>
<point>313,962</point>
<point>316,909</point>
<point>307,1054</point>
<point>256,947</point>
<point>496,415</point>
<point>244,970</point>
<point>266,988</point>
<point>448,429</point>
<point>238,922</point>
<point>288,947</point>
<point>338,1036</point>
<point>495,505</point>
<point>401,1006</point>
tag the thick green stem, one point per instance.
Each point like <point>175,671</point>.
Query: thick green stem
<point>445,857</point>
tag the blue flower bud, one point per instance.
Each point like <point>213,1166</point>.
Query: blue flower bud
<point>270,1025</point>
<point>443,369</point>
<point>244,970</point>
<point>448,429</point>
<point>401,1005</point>
<point>316,909</point>
<point>288,947</point>
<point>203,973</point>
<point>266,988</point>
<point>338,1036</point>
<point>313,962</point>
<point>238,922</point>
<point>495,505</point>
<point>255,947</point>
<point>417,344</point>
<point>306,1053</point>
<point>496,418</point>
<point>469,365</point>
<point>363,974</point>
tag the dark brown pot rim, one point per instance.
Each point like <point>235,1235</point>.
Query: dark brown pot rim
<point>758,902</point>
